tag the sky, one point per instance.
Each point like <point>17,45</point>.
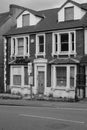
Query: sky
<point>34,4</point>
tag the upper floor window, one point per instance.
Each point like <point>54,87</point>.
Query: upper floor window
<point>20,46</point>
<point>69,13</point>
<point>25,20</point>
<point>64,43</point>
<point>40,44</point>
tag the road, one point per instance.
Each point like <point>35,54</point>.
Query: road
<point>66,117</point>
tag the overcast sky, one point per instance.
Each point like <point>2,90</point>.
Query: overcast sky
<point>33,4</point>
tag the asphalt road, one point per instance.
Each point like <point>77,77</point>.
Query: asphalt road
<point>43,118</point>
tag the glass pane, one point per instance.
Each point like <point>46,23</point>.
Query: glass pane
<point>72,40</point>
<point>26,44</point>
<point>41,48</point>
<point>17,79</point>
<point>41,39</point>
<point>64,42</point>
<point>13,46</point>
<point>20,46</point>
<point>26,75</point>
<point>69,13</point>
<point>72,72</point>
<point>61,76</point>
<point>56,42</point>
<point>26,20</point>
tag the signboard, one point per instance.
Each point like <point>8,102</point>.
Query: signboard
<point>29,68</point>
<point>30,80</point>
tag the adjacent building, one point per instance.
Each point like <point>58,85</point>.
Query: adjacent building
<point>48,50</point>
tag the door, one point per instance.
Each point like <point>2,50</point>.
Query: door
<point>41,82</point>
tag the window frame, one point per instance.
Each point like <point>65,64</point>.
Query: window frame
<point>23,25</point>
<point>65,17</point>
<point>16,46</point>
<point>54,80</point>
<point>70,51</point>
<point>37,45</point>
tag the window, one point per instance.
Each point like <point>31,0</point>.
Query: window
<point>61,76</point>
<point>25,19</point>
<point>72,77</point>
<point>16,79</point>
<point>20,46</point>
<point>69,13</point>
<point>64,42</point>
<point>56,42</point>
<point>72,42</point>
<point>40,45</point>
<point>25,75</point>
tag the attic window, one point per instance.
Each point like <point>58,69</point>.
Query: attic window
<point>25,20</point>
<point>69,13</point>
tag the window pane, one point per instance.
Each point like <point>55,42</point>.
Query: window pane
<point>69,13</point>
<point>61,76</point>
<point>20,46</point>
<point>56,42</point>
<point>26,44</point>
<point>72,41</point>
<point>26,75</point>
<point>41,44</point>
<point>72,72</point>
<point>25,20</point>
<point>17,79</point>
<point>64,42</point>
<point>13,46</point>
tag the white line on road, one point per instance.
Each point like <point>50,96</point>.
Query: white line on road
<point>51,118</point>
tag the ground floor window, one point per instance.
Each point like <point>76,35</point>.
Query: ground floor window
<point>61,76</point>
<point>25,75</point>
<point>65,76</point>
<point>16,79</point>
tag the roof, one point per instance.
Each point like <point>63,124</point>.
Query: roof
<point>64,61</point>
<point>50,23</point>
<point>30,10</point>
<point>4,17</point>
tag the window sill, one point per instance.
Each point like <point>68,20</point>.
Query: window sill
<point>40,54</point>
<point>63,53</point>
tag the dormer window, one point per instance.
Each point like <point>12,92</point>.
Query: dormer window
<point>25,20</point>
<point>69,13</point>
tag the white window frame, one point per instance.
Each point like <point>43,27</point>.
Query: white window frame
<point>16,46</point>
<point>53,77</point>
<point>59,52</point>
<point>37,46</point>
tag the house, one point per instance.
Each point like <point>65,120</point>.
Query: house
<point>48,51</point>
<point>7,21</point>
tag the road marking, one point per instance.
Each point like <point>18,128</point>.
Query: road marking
<point>51,118</point>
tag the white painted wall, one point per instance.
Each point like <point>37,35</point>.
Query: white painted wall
<point>78,12</point>
<point>33,19</point>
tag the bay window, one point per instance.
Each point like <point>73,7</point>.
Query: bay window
<point>64,43</point>
<point>64,76</point>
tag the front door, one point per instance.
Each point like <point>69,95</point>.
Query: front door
<point>41,82</point>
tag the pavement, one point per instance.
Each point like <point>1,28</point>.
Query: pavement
<point>41,103</point>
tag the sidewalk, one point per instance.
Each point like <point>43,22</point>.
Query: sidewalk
<point>36,103</point>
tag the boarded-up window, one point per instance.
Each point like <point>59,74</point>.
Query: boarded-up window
<point>25,19</point>
<point>17,79</point>
<point>69,13</point>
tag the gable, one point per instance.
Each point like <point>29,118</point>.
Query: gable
<point>33,20</point>
<point>77,12</point>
